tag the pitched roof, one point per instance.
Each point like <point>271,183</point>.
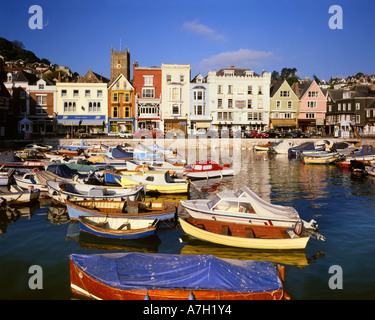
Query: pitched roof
<point>275,87</point>
<point>237,72</point>
<point>92,77</point>
<point>4,91</point>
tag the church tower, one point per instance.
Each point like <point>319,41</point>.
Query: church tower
<point>120,63</point>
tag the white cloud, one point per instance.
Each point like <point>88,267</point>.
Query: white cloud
<point>202,30</point>
<point>243,58</point>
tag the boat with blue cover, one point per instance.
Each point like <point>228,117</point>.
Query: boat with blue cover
<point>141,276</point>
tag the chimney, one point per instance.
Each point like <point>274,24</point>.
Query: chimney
<point>232,67</point>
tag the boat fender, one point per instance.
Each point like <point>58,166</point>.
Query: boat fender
<point>298,227</point>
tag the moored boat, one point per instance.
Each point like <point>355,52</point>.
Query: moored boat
<point>61,190</point>
<point>6,176</point>
<point>140,276</point>
<point>264,146</point>
<point>208,169</point>
<point>157,181</point>
<point>321,158</point>
<point>161,210</point>
<point>118,228</point>
<point>17,196</point>
<point>245,236</point>
<point>244,206</point>
<point>306,146</point>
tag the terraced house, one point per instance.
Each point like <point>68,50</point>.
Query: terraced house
<point>200,118</point>
<point>176,97</point>
<point>284,106</point>
<point>120,106</point>
<point>239,99</point>
<point>313,105</point>
<point>81,105</point>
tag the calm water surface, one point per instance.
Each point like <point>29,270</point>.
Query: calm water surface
<point>343,205</point>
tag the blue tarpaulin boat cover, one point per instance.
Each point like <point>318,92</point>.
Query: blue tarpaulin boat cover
<point>120,153</point>
<point>145,271</point>
<point>64,171</point>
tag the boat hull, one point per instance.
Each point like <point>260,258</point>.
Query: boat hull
<point>24,196</point>
<point>76,210</point>
<point>243,218</point>
<point>83,283</point>
<point>295,243</point>
<point>210,174</point>
<point>89,225</point>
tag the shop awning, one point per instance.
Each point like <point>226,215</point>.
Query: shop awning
<point>284,122</point>
<point>92,122</point>
<point>202,124</point>
<point>72,122</point>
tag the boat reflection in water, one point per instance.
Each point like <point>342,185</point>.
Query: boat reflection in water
<point>289,257</point>
<point>149,244</point>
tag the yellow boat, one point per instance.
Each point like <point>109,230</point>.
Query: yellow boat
<point>320,159</point>
<point>157,181</point>
<point>244,236</point>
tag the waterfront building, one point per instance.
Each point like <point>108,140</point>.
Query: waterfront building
<point>120,106</point>
<point>284,106</point>
<point>176,97</point>
<point>313,106</point>
<point>82,105</point>
<point>4,109</point>
<point>31,107</point>
<point>147,88</point>
<point>200,118</point>
<point>239,99</point>
<point>354,106</point>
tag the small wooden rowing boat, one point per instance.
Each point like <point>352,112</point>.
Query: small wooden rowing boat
<point>18,196</point>
<point>118,228</point>
<point>244,236</point>
<point>161,210</point>
<point>264,147</point>
<point>61,190</point>
<point>140,276</point>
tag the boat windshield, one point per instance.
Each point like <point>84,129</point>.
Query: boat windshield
<point>225,205</point>
<point>213,202</point>
<point>238,193</point>
<point>198,167</point>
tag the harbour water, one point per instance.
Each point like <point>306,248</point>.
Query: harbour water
<point>341,267</point>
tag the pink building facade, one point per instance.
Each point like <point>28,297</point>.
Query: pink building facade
<point>313,107</point>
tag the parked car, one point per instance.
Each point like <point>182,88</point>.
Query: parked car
<point>273,134</point>
<point>156,133</point>
<point>125,134</point>
<point>142,134</point>
<point>296,134</point>
<point>256,134</point>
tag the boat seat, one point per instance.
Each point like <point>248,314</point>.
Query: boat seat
<point>126,224</point>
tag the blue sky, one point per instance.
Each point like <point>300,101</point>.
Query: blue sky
<point>207,34</point>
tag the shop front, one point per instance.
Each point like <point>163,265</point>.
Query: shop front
<point>174,124</point>
<point>116,125</point>
<point>283,124</point>
<point>90,124</point>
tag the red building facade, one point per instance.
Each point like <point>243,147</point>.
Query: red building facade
<point>147,87</point>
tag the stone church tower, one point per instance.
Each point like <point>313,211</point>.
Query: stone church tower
<point>120,63</point>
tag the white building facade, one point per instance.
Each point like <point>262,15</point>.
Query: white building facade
<point>239,99</point>
<point>176,97</point>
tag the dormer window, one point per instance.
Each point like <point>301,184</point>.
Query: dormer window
<point>249,73</point>
<point>41,86</point>
<point>228,73</point>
